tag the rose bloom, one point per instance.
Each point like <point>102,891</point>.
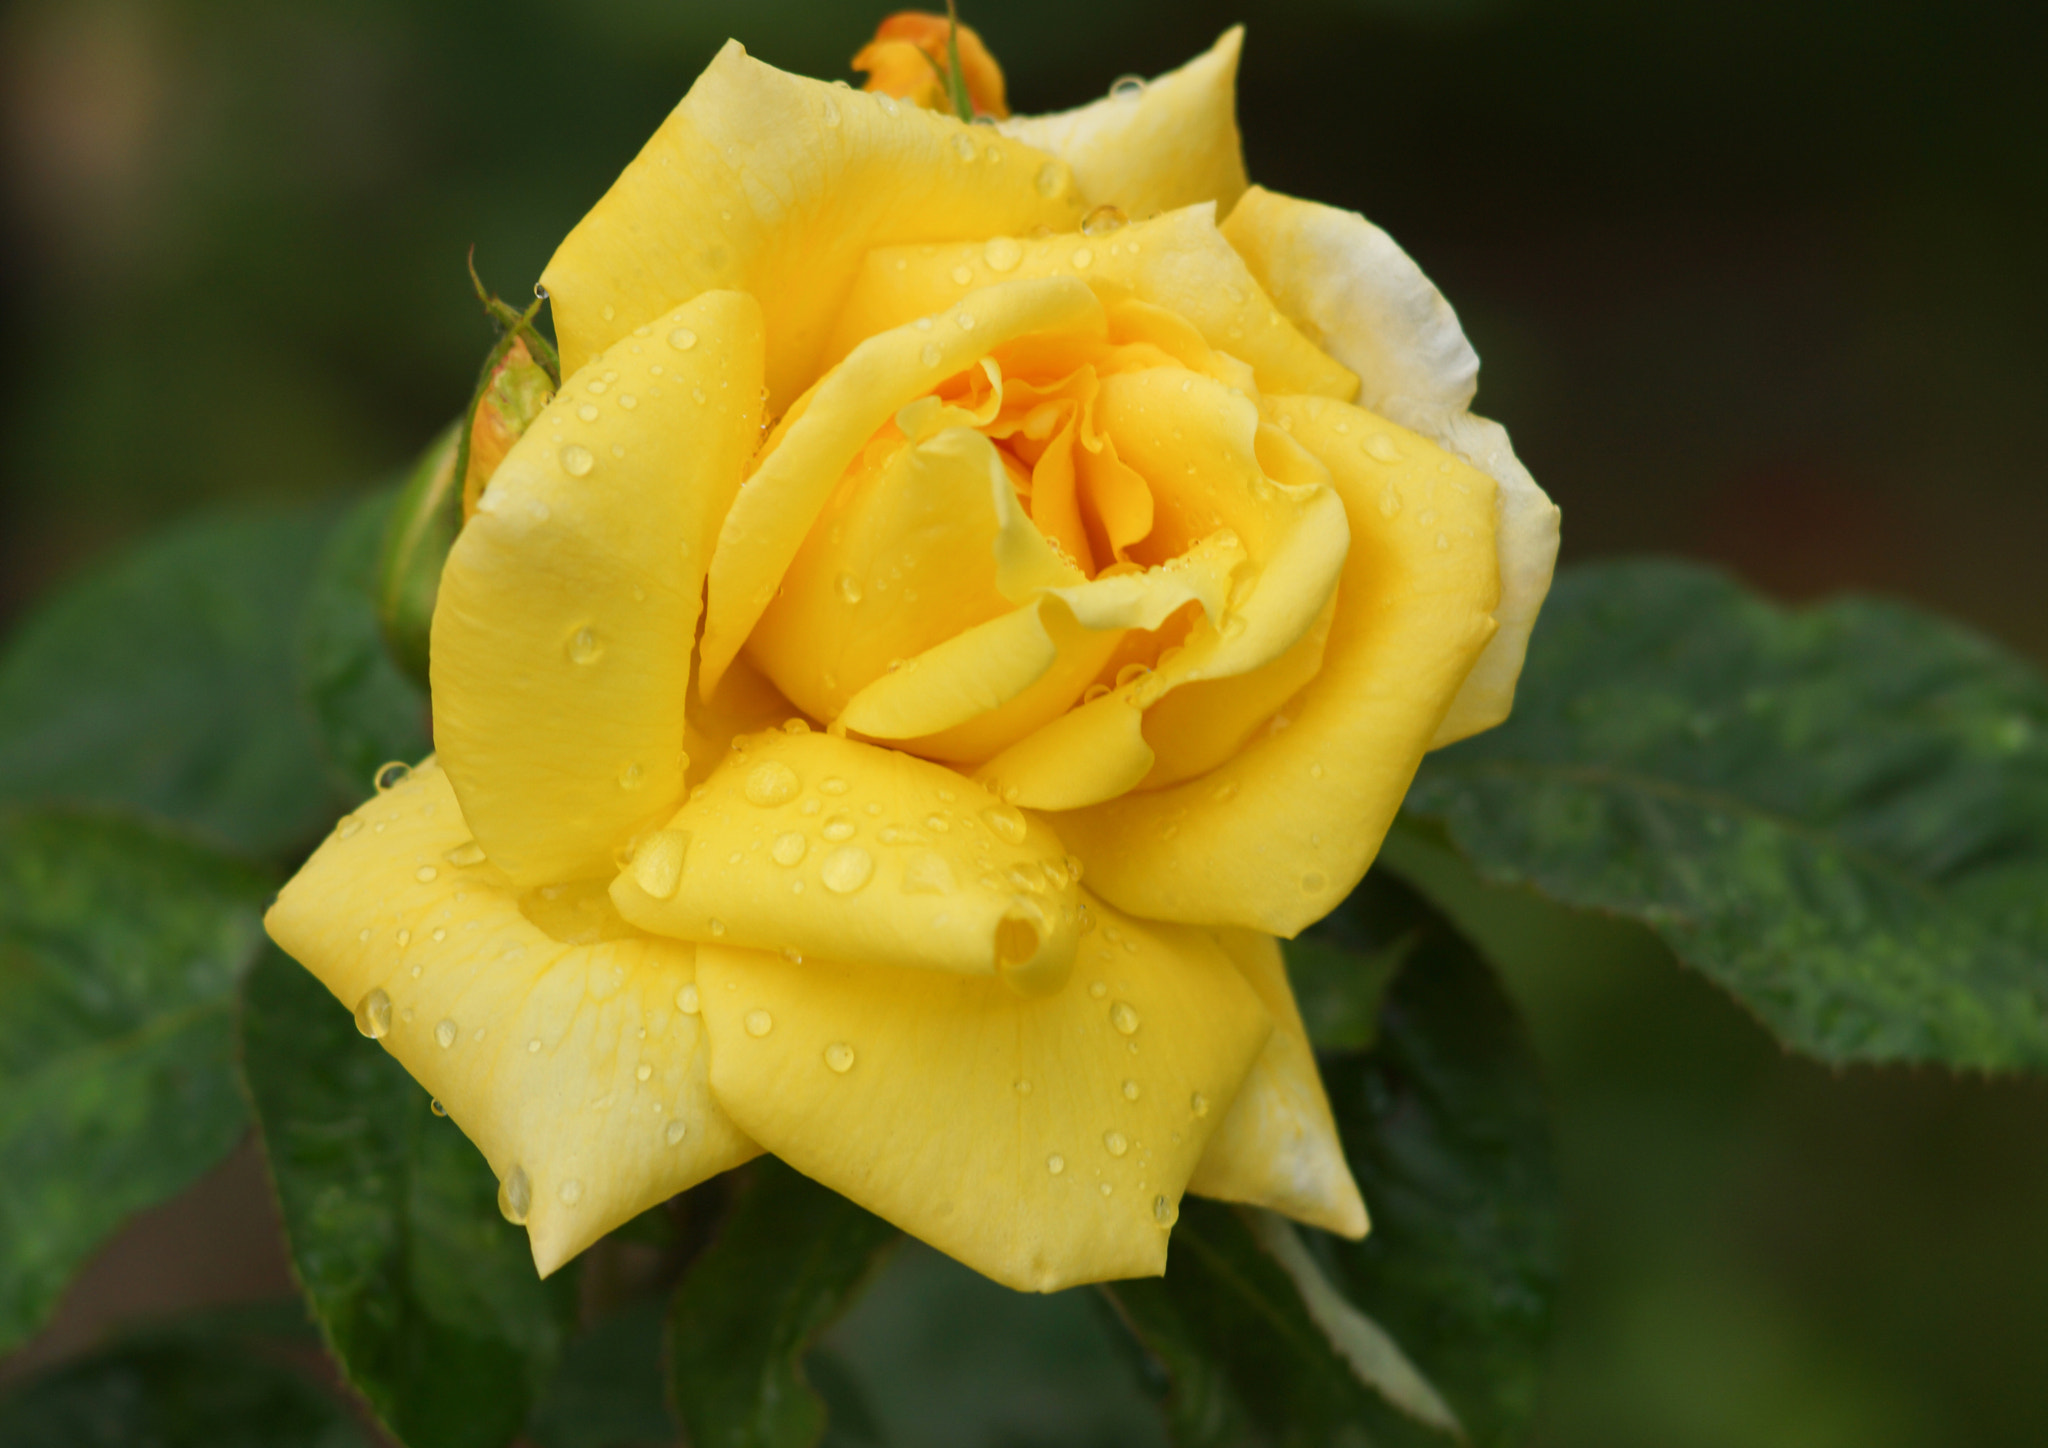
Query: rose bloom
<point>976,587</point>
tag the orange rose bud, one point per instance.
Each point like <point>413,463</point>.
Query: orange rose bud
<point>513,395</point>
<point>907,59</point>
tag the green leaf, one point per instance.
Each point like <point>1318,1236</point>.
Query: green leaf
<point>1244,1362</point>
<point>163,681</point>
<point>608,1391</point>
<point>1447,1132</point>
<point>1840,815</point>
<point>427,1298</point>
<point>365,710</point>
<point>174,1392</point>
<point>120,946</point>
<point>1445,1129</point>
<point>791,1258</point>
<point>405,573</point>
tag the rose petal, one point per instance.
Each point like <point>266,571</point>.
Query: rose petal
<point>1178,261</point>
<point>1347,284</point>
<point>1278,1147</point>
<point>1174,144</point>
<point>831,847</point>
<point>798,471</point>
<point>778,185</point>
<point>561,639</point>
<point>534,1043</point>
<point>1275,837</point>
<point>1043,1142</point>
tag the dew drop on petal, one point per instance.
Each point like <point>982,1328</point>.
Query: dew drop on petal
<point>1103,220</point>
<point>1051,179</point>
<point>1199,1104</point>
<point>571,1192</point>
<point>466,854</point>
<point>758,1022</point>
<point>789,848</point>
<point>1055,1163</point>
<point>444,1034</point>
<point>389,776</point>
<point>849,586</point>
<point>682,339</point>
<point>585,647</point>
<point>1006,824</point>
<point>373,1014</point>
<point>686,999</point>
<point>1002,253</point>
<point>577,460</point>
<point>1130,1091</point>
<point>839,1057</point>
<point>434,1105</point>
<point>349,825</point>
<point>1115,1143</point>
<point>1128,88</point>
<point>1123,1018</point>
<point>426,874</point>
<point>1164,1212</point>
<point>515,1196</point>
<point>770,783</point>
<point>674,1133</point>
<point>847,869</point>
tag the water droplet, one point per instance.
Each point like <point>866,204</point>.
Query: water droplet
<point>630,777</point>
<point>849,586</point>
<point>444,1034</point>
<point>962,275</point>
<point>682,339</point>
<point>789,848</point>
<point>1123,1018</point>
<point>846,869</point>
<point>1130,1091</point>
<point>1115,1143</point>
<point>1055,1163</point>
<point>587,411</point>
<point>686,999</point>
<point>389,776</point>
<point>674,1133</point>
<point>964,321</point>
<point>439,934</point>
<point>628,401</point>
<point>434,1105</point>
<point>1312,882</point>
<point>576,460</point>
<point>839,1056</point>
<point>1006,824</point>
<point>515,1196</point>
<point>963,146</point>
<point>349,825</point>
<point>1164,1212</point>
<point>759,1023</point>
<point>658,863</point>
<point>426,874</point>
<point>839,827</point>
<point>927,873</point>
<point>1127,88</point>
<point>1380,446</point>
<point>1051,179</point>
<point>1103,220</point>
<point>770,783</point>
<point>533,1046</point>
<point>585,647</point>
<point>717,927</point>
<point>1023,1088</point>
<point>404,938</point>
<point>571,1192</point>
<point>929,355</point>
<point>831,114</point>
<point>465,854</point>
<point>373,1014</point>
<point>643,1072</point>
<point>1098,988</point>
<point>1442,543</point>
<point>1084,257</point>
<point>1002,253</point>
<point>1315,771</point>
<point>1199,1104</point>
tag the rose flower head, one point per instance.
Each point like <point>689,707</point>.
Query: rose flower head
<point>976,588</point>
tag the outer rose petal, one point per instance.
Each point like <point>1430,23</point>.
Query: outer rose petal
<point>1174,145</point>
<point>827,846</point>
<point>534,1045</point>
<point>1278,1147</point>
<point>561,640</point>
<point>1043,1142</point>
<point>1345,282</point>
<point>1275,837</point>
<point>778,185</point>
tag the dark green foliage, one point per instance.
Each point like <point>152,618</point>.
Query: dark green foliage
<point>427,1297</point>
<point>789,1261</point>
<point>174,1391</point>
<point>1444,1128</point>
<point>1840,815</point>
<point>120,947</point>
<point>365,710</point>
<point>1447,1132</point>
<point>163,681</point>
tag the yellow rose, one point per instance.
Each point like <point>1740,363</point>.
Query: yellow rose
<point>892,698</point>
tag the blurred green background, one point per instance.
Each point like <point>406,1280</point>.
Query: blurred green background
<point>1754,282</point>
